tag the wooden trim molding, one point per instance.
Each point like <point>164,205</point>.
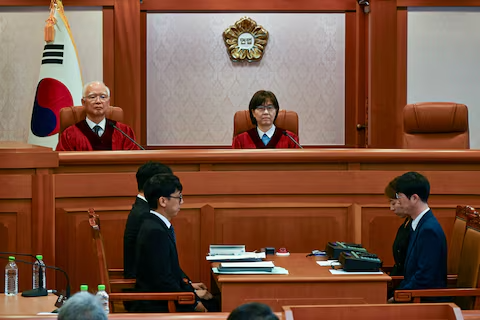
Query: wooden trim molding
<point>402,33</point>
<point>127,60</point>
<point>109,49</point>
<point>70,3</point>
<point>436,3</point>
<point>249,5</point>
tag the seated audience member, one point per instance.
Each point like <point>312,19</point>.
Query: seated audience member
<point>82,306</point>
<point>263,110</point>
<point>400,244</point>
<point>96,131</point>
<point>157,265</point>
<point>140,209</point>
<point>252,311</point>
<point>426,261</point>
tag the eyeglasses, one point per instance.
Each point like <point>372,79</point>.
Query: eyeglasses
<point>397,196</point>
<point>93,97</point>
<point>269,108</point>
<point>180,197</point>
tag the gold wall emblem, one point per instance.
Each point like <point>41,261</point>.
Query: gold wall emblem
<point>245,40</point>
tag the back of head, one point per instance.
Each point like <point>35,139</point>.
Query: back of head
<point>161,185</point>
<point>252,311</point>
<point>148,170</point>
<point>411,183</point>
<point>82,306</point>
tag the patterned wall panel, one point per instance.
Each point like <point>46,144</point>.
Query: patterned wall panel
<point>193,89</point>
<point>21,36</point>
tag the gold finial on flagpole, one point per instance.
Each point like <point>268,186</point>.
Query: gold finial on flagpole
<point>49,31</point>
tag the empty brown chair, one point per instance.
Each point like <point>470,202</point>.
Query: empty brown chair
<point>287,120</point>
<point>111,284</point>
<point>435,125</point>
<point>72,115</point>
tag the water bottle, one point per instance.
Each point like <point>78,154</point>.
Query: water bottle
<point>83,287</point>
<point>36,273</point>
<point>102,295</point>
<point>11,277</point>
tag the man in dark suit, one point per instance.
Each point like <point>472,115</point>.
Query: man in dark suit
<point>426,260</point>
<point>157,265</point>
<point>140,209</point>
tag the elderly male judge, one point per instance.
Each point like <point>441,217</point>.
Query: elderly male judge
<point>96,132</point>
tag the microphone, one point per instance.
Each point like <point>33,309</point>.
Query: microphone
<point>67,290</point>
<point>126,135</point>
<point>40,291</point>
<point>291,138</point>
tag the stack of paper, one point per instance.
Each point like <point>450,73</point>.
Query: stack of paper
<point>221,249</point>
<point>265,267</point>
<point>246,256</point>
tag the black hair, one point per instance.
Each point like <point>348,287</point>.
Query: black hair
<point>411,183</point>
<point>258,99</point>
<point>252,311</point>
<point>161,185</point>
<point>148,170</point>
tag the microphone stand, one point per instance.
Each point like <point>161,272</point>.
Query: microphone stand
<point>126,135</point>
<point>294,141</point>
<point>40,291</point>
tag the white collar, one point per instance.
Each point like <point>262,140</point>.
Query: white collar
<point>92,124</point>
<point>165,220</point>
<point>269,133</point>
<point>141,197</point>
<point>417,219</point>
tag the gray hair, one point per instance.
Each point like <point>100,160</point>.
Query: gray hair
<point>85,87</point>
<point>82,306</point>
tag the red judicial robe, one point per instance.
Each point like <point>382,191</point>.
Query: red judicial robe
<point>251,140</point>
<point>80,137</point>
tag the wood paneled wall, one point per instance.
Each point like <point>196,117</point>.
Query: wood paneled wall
<point>298,200</point>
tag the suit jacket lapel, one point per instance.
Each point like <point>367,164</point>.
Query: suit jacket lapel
<point>164,227</point>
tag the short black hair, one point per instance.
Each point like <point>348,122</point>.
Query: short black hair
<point>411,183</point>
<point>258,99</point>
<point>161,185</point>
<point>252,311</point>
<point>148,170</point>
<point>390,188</point>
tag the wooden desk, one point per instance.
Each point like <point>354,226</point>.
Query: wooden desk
<point>306,284</point>
<point>18,305</point>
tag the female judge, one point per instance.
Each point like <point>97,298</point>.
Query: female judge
<point>400,244</point>
<point>263,110</point>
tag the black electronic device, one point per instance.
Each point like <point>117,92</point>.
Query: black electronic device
<point>333,249</point>
<point>354,261</point>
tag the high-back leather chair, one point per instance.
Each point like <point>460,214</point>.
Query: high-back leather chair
<point>458,234</point>
<point>72,115</point>
<point>287,120</point>
<point>435,125</point>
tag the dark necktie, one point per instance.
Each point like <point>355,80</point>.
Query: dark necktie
<point>97,129</point>
<point>172,231</point>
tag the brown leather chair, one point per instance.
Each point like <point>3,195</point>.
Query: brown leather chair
<point>72,115</point>
<point>435,125</point>
<point>287,120</point>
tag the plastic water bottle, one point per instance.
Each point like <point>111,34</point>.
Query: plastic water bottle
<point>36,273</point>
<point>84,287</point>
<point>11,277</point>
<point>102,295</point>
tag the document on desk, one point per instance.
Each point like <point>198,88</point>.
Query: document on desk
<point>341,271</point>
<point>329,263</point>
<point>275,270</point>
<point>245,256</point>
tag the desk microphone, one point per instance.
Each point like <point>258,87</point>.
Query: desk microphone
<point>291,138</point>
<point>41,291</point>
<point>126,135</point>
